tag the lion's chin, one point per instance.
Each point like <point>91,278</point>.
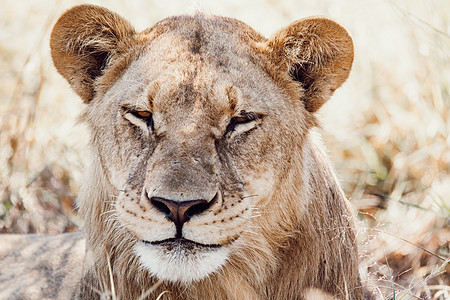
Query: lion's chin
<point>180,260</point>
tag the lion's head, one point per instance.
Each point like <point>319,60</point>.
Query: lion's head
<point>200,133</point>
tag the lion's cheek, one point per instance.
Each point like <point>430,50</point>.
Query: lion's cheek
<point>117,178</point>
<point>127,168</point>
<point>259,185</point>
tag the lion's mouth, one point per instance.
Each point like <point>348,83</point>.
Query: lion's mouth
<point>176,243</point>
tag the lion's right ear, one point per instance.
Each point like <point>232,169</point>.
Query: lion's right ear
<point>86,40</point>
<point>317,53</point>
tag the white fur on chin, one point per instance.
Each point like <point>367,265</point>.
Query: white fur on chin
<point>179,264</point>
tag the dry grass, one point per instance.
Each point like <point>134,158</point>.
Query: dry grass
<point>387,129</point>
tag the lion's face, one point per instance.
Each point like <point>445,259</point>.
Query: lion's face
<point>195,122</point>
<point>196,151</point>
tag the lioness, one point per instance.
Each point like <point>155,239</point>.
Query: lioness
<point>206,178</point>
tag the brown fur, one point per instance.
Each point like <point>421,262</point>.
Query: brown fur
<point>278,212</point>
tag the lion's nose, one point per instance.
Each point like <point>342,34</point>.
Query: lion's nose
<point>180,212</point>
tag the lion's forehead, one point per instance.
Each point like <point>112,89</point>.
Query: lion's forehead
<point>192,85</point>
<point>201,51</point>
<point>204,33</point>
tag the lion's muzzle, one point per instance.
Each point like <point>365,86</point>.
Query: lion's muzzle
<point>179,212</point>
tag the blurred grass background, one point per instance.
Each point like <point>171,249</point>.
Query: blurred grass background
<point>387,129</point>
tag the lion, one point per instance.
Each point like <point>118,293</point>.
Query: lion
<point>207,178</point>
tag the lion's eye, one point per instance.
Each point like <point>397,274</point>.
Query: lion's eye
<point>242,119</point>
<point>141,114</point>
<point>134,115</point>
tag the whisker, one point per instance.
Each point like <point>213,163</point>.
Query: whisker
<point>250,231</point>
<point>107,212</point>
<point>111,218</point>
<point>258,228</point>
<point>255,216</point>
<point>112,202</point>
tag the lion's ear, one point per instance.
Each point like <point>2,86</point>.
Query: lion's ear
<point>84,41</point>
<point>318,53</point>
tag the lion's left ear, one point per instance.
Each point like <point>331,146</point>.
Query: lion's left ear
<point>318,53</point>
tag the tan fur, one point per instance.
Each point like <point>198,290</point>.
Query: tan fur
<point>40,266</point>
<point>276,213</point>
